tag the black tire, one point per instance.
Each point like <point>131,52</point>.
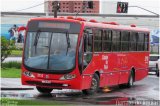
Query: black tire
<point>121,86</point>
<point>130,80</point>
<point>44,90</point>
<point>157,74</point>
<point>157,71</point>
<point>94,86</point>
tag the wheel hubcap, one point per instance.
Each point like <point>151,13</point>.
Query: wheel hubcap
<point>131,81</point>
<point>94,84</point>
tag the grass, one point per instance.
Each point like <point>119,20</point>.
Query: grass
<point>10,73</point>
<point>11,69</point>
<point>21,102</point>
<point>16,53</point>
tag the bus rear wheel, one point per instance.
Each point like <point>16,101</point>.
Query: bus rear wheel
<point>94,86</point>
<point>44,90</point>
<point>131,80</point>
<point>157,70</point>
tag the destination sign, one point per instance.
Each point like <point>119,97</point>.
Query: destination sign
<point>54,25</point>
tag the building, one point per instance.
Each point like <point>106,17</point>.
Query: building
<point>73,6</point>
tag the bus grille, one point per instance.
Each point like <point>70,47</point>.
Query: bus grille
<point>44,84</point>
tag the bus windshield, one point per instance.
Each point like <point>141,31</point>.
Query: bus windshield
<point>50,51</point>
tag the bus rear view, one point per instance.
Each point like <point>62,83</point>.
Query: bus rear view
<point>50,54</point>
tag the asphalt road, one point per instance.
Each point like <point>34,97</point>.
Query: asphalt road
<point>146,89</point>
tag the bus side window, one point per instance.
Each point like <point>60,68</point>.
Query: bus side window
<point>107,40</point>
<point>98,40</point>
<point>124,41</point>
<point>146,43</point>
<point>133,40</point>
<point>140,42</point>
<point>116,44</point>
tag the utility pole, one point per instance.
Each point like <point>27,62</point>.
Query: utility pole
<point>84,6</point>
<point>55,8</point>
<point>47,8</point>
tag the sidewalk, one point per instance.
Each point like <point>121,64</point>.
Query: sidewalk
<point>13,84</point>
<point>18,59</point>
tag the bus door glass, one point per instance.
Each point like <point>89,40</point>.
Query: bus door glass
<point>87,45</point>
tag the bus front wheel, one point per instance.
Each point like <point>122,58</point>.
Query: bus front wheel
<point>94,85</point>
<point>44,90</point>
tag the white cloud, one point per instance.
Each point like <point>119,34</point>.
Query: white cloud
<point>14,5</point>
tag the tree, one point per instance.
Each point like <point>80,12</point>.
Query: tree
<point>6,48</point>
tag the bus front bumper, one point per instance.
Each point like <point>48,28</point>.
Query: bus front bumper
<point>56,84</point>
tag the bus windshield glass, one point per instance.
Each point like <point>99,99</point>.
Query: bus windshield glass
<point>50,51</point>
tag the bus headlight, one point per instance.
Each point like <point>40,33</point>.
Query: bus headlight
<point>68,77</point>
<point>28,74</point>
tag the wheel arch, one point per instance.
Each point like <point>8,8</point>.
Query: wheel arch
<point>98,73</point>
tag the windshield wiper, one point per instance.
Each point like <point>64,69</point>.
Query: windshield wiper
<point>68,42</point>
<point>36,40</point>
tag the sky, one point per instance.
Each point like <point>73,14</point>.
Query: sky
<point>18,5</point>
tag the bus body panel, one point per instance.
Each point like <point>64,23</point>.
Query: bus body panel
<point>119,66</point>
<point>120,63</point>
<point>86,81</point>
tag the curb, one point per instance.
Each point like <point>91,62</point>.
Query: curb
<point>14,56</point>
<point>17,88</point>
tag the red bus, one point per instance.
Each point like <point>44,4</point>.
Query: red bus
<point>69,53</point>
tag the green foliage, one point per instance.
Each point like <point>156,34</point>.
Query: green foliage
<point>16,53</point>
<point>12,64</point>
<point>6,48</point>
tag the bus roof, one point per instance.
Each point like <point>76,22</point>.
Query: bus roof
<point>115,27</point>
<point>95,24</point>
